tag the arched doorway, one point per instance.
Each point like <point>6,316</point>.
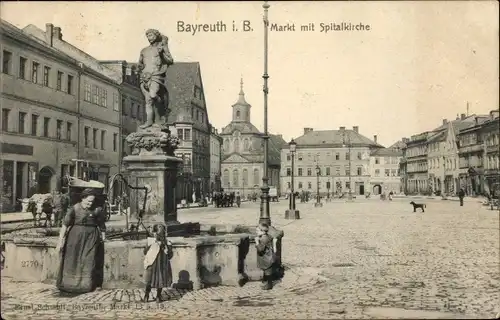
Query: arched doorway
<point>377,189</point>
<point>46,180</point>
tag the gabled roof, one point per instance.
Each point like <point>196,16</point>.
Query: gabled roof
<point>335,137</point>
<point>398,145</point>
<point>243,127</point>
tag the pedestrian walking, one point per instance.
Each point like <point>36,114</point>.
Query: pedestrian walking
<point>157,268</point>
<point>461,195</point>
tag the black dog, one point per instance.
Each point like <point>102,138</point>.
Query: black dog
<point>417,205</point>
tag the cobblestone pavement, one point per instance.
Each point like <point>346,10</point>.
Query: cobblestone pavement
<point>365,259</point>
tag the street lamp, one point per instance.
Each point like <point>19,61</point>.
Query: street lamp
<point>318,198</point>
<point>292,213</point>
<point>349,196</point>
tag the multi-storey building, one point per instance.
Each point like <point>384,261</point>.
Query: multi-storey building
<point>243,149</point>
<point>55,109</point>
<point>490,136</point>
<point>415,155</point>
<point>343,158</point>
<point>101,98</point>
<point>384,170</point>
<point>189,119</point>
<point>443,157</point>
<point>471,158</point>
<point>215,159</point>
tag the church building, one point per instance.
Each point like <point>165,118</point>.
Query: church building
<point>243,153</point>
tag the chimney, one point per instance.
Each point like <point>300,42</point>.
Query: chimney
<point>406,140</point>
<point>355,129</point>
<point>49,31</point>
<point>445,121</point>
<point>57,33</point>
<point>375,138</point>
<point>307,130</point>
<point>462,116</point>
<point>342,128</point>
<point>494,114</point>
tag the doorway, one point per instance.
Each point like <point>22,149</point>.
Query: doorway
<point>377,189</point>
<point>362,189</point>
<point>45,180</point>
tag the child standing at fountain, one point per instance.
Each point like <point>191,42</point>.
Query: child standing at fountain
<point>266,255</point>
<point>158,272</point>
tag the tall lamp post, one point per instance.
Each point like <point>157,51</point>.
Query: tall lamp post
<point>318,198</point>
<point>292,212</point>
<point>348,144</point>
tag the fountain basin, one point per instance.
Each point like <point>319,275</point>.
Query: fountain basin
<point>201,261</point>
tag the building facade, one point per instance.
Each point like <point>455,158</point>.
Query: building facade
<point>415,155</point>
<point>489,134</point>
<point>384,171</point>
<point>243,153</point>
<point>343,157</point>
<point>215,160</point>
<point>189,120</point>
<point>55,110</point>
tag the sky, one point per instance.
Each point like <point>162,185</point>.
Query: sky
<point>419,63</point>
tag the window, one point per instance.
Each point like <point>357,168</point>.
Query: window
<point>337,171</point>
<point>86,132</point>
<point>288,157</point>
<point>116,102</point>
<point>238,114</point>
<point>180,134</point>
<point>115,142</point>
<point>59,80</point>
<point>360,171</point>
<point>94,138</point>
<point>347,156</point>
<point>22,122</point>
<point>88,92</point>
<point>5,119</point>
<point>124,109</point>
<point>359,156</point>
<point>187,134</point>
<point>348,185</point>
<point>309,185</point>
<point>328,185</point>
<point>377,160</point>
<point>34,72</point>
<point>95,95</point>
<point>103,97</point>
<point>69,87</point>
<point>288,171</point>
<point>337,156</point>
<point>309,171</point>
<point>68,131</point>
<point>393,173</point>
<point>23,63</point>
<point>103,140</point>
<point>34,124</point>
<point>7,62</point>
<point>256,177</point>
<point>300,157</point>
<point>300,185</point>
<point>387,172</point>
<point>59,129</point>
<point>46,124</point>
<point>46,76</point>
<point>377,172</point>
<point>139,112</point>
<point>327,171</point>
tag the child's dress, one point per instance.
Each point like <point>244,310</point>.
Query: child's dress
<point>158,272</point>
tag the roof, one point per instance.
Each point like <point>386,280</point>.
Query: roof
<point>256,153</point>
<point>335,137</point>
<point>181,79</point>
<point>398,145</point>
<point>386,152</point>
<point>243,127</point>
<point>441,132</point>
<point>75,53</point>
<point>23,36</point>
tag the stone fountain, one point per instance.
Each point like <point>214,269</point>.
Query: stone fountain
<point>199,260</point>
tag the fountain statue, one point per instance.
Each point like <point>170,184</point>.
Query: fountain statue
<point>153,163</point>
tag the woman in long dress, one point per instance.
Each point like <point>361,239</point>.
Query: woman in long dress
<point>81,247</point>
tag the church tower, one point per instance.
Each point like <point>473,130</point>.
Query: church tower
<point>241,109</point>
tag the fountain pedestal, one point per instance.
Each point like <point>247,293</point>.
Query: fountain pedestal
<point>153,165</point>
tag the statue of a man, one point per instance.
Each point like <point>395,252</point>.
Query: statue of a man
<point>153,63</point>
